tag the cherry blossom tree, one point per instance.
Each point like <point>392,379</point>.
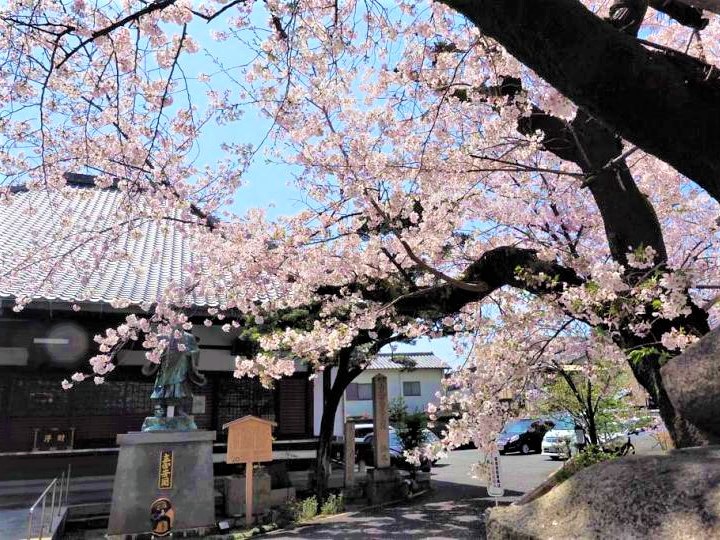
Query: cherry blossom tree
<point>537,177</point>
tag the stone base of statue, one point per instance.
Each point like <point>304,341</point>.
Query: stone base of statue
<point>164,480</point>
<point>176,423</point>
<point>384,485</point>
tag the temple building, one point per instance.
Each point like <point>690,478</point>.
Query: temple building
<point>49,340</point>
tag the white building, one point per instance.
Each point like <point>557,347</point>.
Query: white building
<point>416,377</point>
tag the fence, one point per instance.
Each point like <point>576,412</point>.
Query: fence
<point>57,490</point>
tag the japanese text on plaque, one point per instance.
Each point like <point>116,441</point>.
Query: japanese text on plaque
<point>166,467</point>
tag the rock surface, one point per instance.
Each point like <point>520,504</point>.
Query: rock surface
<point>673,496</point>
<point>692,381</point>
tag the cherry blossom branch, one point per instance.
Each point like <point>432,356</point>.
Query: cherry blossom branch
<point>610,165</point>
<point>163,98</point>
<point>157,5</point>
<point>521,167</point>
<point>210,18</point>
<point>460,284</point>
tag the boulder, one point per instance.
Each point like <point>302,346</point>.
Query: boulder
<point>673,496</point>
<point>692,381</point>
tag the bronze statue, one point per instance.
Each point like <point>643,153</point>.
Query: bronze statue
<point>174,375</point>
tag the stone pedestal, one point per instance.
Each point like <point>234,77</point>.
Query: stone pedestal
<point>235,494</point>
<point>383,485</point>
<point>140,479</point>
<point>422,481</point>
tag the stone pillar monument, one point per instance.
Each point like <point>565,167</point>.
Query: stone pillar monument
<point>381,422</point>
<point>349,442</point>
<point>383,481</point>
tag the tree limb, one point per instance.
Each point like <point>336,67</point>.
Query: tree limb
<point>709,5</point>
<point>494,269</point>
<point>643,94</point>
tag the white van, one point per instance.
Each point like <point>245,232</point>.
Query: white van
<point>363,430</point>
<point>560,440</point>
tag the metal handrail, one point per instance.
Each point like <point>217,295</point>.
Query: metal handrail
<point>59,489</point>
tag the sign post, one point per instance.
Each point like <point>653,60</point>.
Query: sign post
<point>249,442</point>
<point>248,493</point>
<point>494,487</point>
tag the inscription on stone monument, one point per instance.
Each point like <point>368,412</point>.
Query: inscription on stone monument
<point>166,470</point>
<point>381,422</point>
<point>349,443</point>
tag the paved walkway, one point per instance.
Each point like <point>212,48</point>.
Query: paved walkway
<point>454,509</point>
<point>15,524</point>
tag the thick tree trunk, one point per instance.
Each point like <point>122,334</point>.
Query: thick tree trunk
<point>322,461</point>
<point>630,223</point>
<point>644,95</point>
<point>592,425</point>
<point>331,399</point>
<point>710,5</point>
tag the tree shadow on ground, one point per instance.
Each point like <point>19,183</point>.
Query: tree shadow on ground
<point>450,511</point>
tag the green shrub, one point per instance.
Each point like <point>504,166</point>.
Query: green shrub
<point>398,412</point>
<point>334,504</point>
<point>305,509</point>
<point>589,456</point>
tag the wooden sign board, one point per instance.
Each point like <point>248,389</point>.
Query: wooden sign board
<point>53,439</point>
<point>249,440</point>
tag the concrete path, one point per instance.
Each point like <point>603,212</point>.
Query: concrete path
<point>17,496</point>
<point>455,507</point>
<point>453,510</point>
<point>15,524</point>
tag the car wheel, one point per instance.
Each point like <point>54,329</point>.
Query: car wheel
<point>502,452</point>
<point>525,449</point>
<point>554,458</point>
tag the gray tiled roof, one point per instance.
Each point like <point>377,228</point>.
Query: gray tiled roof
<point>156,250</point>
<point>419,360</point>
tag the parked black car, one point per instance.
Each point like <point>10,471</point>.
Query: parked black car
<point>524,435</point>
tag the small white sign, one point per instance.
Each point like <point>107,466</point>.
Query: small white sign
<point>494,487</point>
